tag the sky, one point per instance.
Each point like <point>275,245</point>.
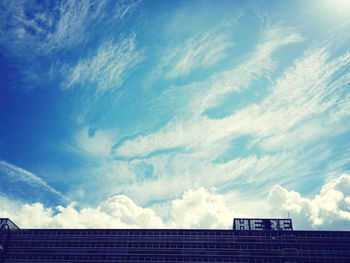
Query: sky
<point>174,114</point>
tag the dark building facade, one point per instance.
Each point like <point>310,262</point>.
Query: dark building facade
<point>267,242</point>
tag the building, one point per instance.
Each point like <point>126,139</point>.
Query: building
<point>251,240</point>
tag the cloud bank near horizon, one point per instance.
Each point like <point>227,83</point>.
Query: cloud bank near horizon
<point>198,208</point>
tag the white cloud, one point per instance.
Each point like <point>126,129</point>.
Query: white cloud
<point>98,144</point>
<point>45,29</point>
<point>175,172</point>
<point>197,208</point>
<point>128,212</point>
<point>258,64</point>
<point>71,24</point>
<point>330,209</point>
<point>201,131</point>
<point>200,208</point>
<point>125,7</point>
<point>50,28</point>
<point>305,105</point>
<point>308,95</point>
<point>116,212</point>
<point>304,101</point>
<point>202,50</point>
<point>107,69</point>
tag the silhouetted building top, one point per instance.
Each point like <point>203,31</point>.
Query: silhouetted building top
<point>176,245</point>
<point>6,223</point>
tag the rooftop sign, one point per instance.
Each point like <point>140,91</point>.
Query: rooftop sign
<point>262,224</point>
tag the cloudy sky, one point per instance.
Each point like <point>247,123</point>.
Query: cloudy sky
<point>174,114</point>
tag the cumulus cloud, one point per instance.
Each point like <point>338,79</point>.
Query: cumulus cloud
<point>330,209</point>
<point>197,208</point>
<point>108,68</point>
<point>116,212</point>
<point>200,208</point>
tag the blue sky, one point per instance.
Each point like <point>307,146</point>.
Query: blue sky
<point>174,113</point>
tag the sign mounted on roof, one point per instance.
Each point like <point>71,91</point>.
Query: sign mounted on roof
<point>262,224</point>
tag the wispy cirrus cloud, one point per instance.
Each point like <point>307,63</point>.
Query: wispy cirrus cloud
<point>14,177</point>
<point>202,50</point>
<point>172,173</point>
<point>98,144</point>
<point>202,130</point>
<point>308,102</point>
<point>108,68</point>
<point>308,93</point>
<point>303,105</point>
<point>125,7</point>
<point>259,64</point>
<point>46,27</point>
